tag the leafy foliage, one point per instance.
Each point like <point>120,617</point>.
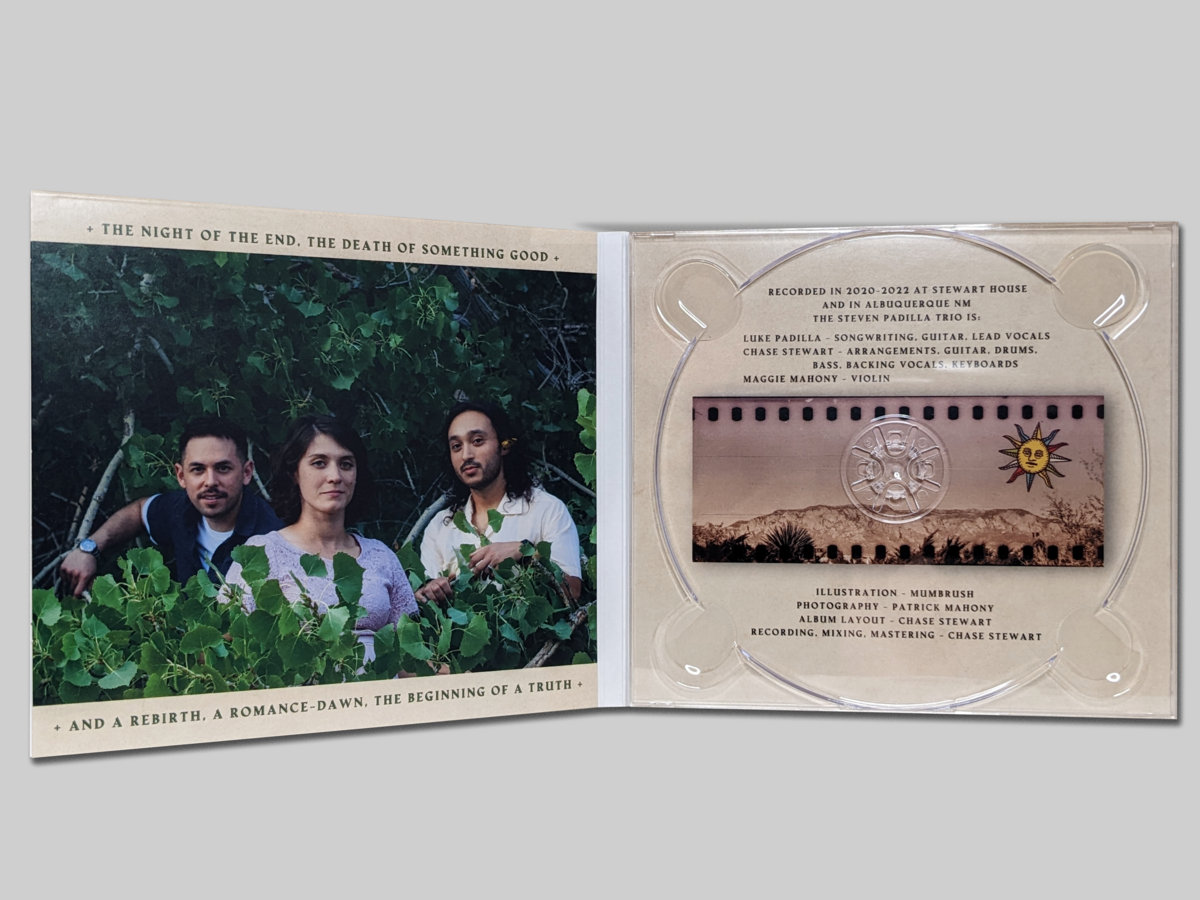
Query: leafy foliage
<point>129,343</point>
<point>144,635</point>
<point>502,621</point>
<point>160,336</point>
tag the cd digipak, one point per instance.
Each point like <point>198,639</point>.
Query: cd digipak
<point>919,469</point>
<point>924,469</point>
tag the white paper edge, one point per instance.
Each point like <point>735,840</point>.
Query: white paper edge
<point>613,467</point>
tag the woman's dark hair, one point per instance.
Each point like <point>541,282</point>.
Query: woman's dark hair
<point>285,492</point>
<point>518,483</point>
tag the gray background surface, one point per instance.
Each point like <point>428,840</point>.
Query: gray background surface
<point>601,118</point>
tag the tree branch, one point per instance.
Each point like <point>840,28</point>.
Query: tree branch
<point>75,516</point>
<point>85,526</point>
<point>262,488</point>
<point>50,567</point>
<point>563,475</point>
<point>430,511</point>
<point>162,354</point>
<point>551,647</point>
<point>37,419</point>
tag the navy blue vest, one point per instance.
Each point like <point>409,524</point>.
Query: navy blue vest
<point>175,528</point>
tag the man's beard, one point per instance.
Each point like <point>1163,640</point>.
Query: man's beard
<point>486,478</point>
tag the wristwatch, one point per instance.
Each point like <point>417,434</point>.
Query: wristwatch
<point>87,545</point>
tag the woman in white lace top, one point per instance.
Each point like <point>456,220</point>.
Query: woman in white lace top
<point>321,482</point>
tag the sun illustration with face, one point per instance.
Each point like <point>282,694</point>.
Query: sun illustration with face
<point>1033,456</point>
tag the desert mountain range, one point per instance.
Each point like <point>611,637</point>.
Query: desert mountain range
<point>846,525</point>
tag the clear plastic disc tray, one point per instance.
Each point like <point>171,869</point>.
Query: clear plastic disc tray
<point>905,469</point>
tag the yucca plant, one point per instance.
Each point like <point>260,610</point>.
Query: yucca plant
<point>786,542</point>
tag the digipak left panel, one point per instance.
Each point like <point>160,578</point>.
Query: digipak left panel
<point>149,316</point>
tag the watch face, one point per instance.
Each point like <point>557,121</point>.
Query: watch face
<point>87,545</point>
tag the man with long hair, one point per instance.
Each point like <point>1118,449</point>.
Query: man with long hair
<point>490,466</point>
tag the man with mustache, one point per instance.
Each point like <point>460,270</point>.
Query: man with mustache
<point>491,471</point>
<point>199,525</point>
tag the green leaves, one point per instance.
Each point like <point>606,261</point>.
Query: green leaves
<point>586,417</point>
<point>200,638</point>
<point>498,622</point>
<point>585,463</point>
<point>475,636</point>
<point>63,265</point>
<point>119,677</point>
<point>106,592</point>
<point>410,559</point>
<point>144,635</point>
<point>295,652</point>
<point>313,565</point>
<point>93,627</point>
<point>46,608</point>
<point>495,520</point>
<point>347,578</point>
<point>164,335</point>
<point>154,640</point>
<point>333,624</point>
<point>254,563</point>
<point>411,641</point>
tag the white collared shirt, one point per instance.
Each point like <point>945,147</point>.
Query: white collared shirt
<point>541,518</point>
